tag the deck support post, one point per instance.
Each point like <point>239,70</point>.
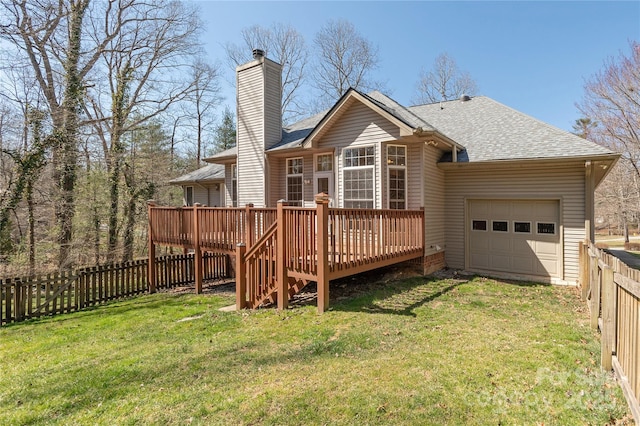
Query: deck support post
<point>322,214</point>
<point>151,265</point>
<point>197,251</point>
<point>241,277</point>
<point>607,338</point>
<point>249,220</point>
<point>281,254</point>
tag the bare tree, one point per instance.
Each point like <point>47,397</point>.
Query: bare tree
<point>283,44</point>
<point>612,99</point>
<point>443,82</point>
<point>138,67</point>
<point>204,98</point>
<point>49,35</point>
<point>345,59</point>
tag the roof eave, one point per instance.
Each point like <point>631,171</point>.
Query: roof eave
<point>608,158</point>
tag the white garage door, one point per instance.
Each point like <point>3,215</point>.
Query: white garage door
<point>515,236</point>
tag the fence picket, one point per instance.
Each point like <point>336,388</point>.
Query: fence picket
<point>68,291</point>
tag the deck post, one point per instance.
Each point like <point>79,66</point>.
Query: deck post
<point>248,224</point>
<point>281,267</point>
<point>151,265</point>
<point>197,251</point>
<point>322,214</point>
<point>241,277</point>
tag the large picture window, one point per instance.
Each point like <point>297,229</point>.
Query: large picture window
<point>397,175</point>
<point>358,177</point>
<point>294,181</point>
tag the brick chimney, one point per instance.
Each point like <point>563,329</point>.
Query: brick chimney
<point>259,124</point>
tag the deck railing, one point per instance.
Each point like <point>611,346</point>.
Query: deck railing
<point>303,244</point>
<point>612,290</point>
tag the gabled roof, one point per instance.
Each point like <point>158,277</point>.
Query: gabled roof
<point>491,131</point>
<point>208,173</point>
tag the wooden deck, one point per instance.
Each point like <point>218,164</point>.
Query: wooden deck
<point>278,251</point>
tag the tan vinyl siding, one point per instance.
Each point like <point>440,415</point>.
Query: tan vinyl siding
<point>200,195</point>
<point>277,180</point>
<point>565,183</point>
<point>272,104</point>
<point>434,200</point>
<point>250,133</point>
<point>360,126</point>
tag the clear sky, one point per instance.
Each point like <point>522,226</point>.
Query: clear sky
<point>532,56</point>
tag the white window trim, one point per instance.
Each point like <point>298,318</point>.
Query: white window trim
<point>480,230</point>
<point>500,220</point>
<point>555,227</point>
<point>234,182</point>
<point>522,221</point>
<point>406,177</point>
<point>288,175</point>
<point>343,168</point>
<point>325,173</point>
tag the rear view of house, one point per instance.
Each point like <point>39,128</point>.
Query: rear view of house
<point>502,193</point>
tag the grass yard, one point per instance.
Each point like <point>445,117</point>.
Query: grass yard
<point>414,351</point>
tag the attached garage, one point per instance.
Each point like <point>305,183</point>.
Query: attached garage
<point>518,237</point>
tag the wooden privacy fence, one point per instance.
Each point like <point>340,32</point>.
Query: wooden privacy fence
<point>612,290</point>
<point>31,297</point>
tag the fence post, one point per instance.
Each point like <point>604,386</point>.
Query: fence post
<point>197,252</point>
<point>152,249</point>
<point>281,266</point>
<point>584,269</point>
<point>241,277</point>
<point>594,281</point>
<point>248,224</point>
<point>608,318</point>
<point>322,215</point>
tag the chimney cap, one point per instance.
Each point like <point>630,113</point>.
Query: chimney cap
<point>258,53</point>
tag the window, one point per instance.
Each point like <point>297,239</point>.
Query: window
<point>324,163</point>
<point>294,181</point>
<point>397,172</point>
<point>479,225</point>
<point>548,228</point>
<point>188,195</point>
<point>500,226</point>
<point>234,185</point>
<point>358,177</point>
<point>522,227</point>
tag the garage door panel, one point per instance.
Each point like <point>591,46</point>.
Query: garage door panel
<point>546,247</point>
<point>500,263</point>
<point>503,249</point>
<point>500,244</point>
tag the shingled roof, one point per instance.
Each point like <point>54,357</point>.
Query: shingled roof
<point>491,131</point>
<point>208,173</point>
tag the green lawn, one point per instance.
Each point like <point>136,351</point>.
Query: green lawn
<point>415,351</point>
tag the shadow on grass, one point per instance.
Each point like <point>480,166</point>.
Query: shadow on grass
<point>399,297</point>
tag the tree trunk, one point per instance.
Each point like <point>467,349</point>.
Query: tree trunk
<point>67,149</point>
<point>31,220</point>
